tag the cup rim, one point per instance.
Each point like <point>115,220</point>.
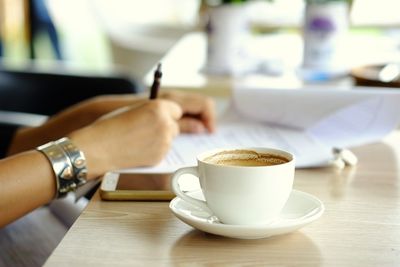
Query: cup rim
<point>288,155</point>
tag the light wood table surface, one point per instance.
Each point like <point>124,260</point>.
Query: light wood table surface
<point>360,227</point>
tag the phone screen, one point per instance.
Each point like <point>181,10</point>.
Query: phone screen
<point>144,181</point>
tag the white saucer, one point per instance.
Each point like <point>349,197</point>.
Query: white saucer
<point>301,209</point>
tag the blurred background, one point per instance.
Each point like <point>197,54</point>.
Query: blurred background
<point>132,35</point>
<point>55,53</point>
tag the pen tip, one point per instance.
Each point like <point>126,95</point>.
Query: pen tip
<point>158,73</point>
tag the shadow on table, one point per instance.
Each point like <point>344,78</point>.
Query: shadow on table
<point>286,250</point>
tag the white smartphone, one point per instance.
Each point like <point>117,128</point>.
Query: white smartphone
<point>136,186</point>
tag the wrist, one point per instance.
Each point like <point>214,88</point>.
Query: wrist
<point>95,161</point>
<point>68,163</point>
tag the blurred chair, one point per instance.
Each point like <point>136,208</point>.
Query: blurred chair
<point>30,240</point>
<point>47,93</point>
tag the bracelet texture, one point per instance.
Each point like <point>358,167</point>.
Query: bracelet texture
<point>68,163</point>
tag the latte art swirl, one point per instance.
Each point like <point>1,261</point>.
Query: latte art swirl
<point>245,158</point>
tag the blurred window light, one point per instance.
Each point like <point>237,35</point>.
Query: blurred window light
<point>376,13</point>
<point>289,13</point>
<point>173,12</point>
<point>277,13</point>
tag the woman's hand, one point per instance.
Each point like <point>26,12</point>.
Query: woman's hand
<point>199,116</point>
<point>198,111</point>
<point>70,119</point>
<point>138,135</point>
<point>114,132</point>
<point>129,137</point>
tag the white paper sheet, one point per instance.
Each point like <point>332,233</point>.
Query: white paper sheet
<point>335,117</point>
<point>308,151</point>
<point>306,122</point>
<point>234,131</point>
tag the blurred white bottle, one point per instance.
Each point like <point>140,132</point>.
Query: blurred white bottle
<point>227,31</point>
<point>325,28</point>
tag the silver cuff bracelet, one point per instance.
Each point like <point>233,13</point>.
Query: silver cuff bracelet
<point>68,163</point>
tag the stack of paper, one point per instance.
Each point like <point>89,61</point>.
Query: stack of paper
<point>306,122</point>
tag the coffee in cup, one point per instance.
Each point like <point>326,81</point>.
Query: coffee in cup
<point>243,186</point>
<point>243,157</point>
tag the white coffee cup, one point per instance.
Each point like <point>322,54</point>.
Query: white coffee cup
<point>237,194</point>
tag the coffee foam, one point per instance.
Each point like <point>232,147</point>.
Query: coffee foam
<point>242,157</point>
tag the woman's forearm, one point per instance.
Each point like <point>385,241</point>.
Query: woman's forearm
<point>26,182</point>
<point>69,120</point>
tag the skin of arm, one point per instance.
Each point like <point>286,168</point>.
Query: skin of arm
<point>113,132</point>
<point>85,113</point>
<point>120,139</point>
<point>26,182</point>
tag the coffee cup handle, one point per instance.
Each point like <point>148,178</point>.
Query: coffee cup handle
<point>177,190</point>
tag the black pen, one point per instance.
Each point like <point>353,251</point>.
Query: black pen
<point>156,82</point>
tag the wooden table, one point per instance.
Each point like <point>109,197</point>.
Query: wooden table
<point>360,227</point>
